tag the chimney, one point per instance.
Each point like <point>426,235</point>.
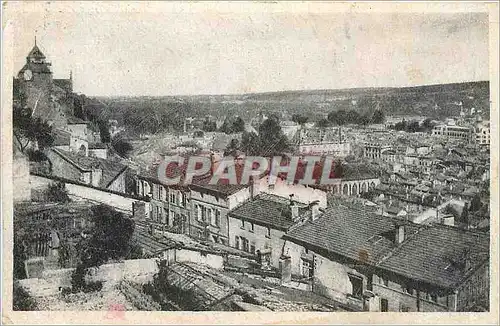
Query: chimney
<point>212,163</point>
<point>400,233</point>
<point>252,187</point>
<point>315,210</point>
<point>294,208</point>
<point>96,175</point>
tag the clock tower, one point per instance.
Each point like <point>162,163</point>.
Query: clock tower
<point>35,81</point>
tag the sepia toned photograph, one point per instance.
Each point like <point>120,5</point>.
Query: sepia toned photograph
<point>252,157</point>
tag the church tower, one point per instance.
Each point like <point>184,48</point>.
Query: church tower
<point>35,81</point>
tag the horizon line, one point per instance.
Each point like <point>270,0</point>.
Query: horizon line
<point>294,90</point>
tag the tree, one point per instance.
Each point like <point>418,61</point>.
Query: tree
<point>104,131</point>
<point>209,126</point>
<point>228,127</point>
<point>352,116</point>
<point>400,126</point>
<point>108,239</point>
<point>339,117</point>
<point>300,119</point>
<point>21,300</point>
<point>413,126</point>
<point>428,124</point>
<point>378,116</point>
<point>272,140</point>
<point>323,123</point>
<point>232,148</point>
<point>238,125</point>
<point>121,146</point>
<point>475,203</point>
<point>57,193</point>
<point>250,143</point>
<point>363,120</point>
<point>27,129</point>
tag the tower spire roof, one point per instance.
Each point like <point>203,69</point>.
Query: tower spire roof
<point>35,53</point>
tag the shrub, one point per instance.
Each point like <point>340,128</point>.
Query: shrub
<point>58,193</point>
<point>21,300</point>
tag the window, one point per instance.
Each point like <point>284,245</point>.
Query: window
<point>384,305</point>
<point>433,298</point>
<point>252,247</point>
<point>408,289</point>
<point>166,215</point>
<point>237,243</point>
<point>357,286</point>
<point>172,198</point>
<point>203,213</point>
<point>199,216</point>
<point>210,216</point>
<point>268,233</point>
<point>306,269</point>
<point>404,308</point>
<point>217,217</point>
<point>184,200</point>
<point>158,213</point>
<point>160,192</point>
<point>246,245</point>
<point>242,224</point>
<point>251,227</point>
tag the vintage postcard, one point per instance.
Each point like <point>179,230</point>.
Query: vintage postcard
<point>250,162</point>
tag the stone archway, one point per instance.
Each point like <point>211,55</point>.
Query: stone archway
<point>354,190</point>
<point>334,189</point>
<point>345,190</point>
<point>372,185</point>
<point>364,187</point>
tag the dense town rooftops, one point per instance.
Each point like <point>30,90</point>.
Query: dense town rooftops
<point>357,171</point>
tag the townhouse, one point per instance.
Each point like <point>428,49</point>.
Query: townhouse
<point>258,225</point>
<point>379,264</point>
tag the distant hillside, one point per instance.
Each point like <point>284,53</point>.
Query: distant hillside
<point>437,101</point>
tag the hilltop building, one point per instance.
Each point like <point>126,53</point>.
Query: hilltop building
<point>39,89</point>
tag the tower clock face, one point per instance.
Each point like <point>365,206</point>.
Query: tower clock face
<point>28,74</point>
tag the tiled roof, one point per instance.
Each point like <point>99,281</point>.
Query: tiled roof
<point>110,170</point>
<point>150,244</point>
<point>357,171</point>
<point>433,253</point>
<point>357,234</point>
<point>265,209</point>
<point>430,253</point>
<point>97,146</point>
<point>36,53</point>
<point>61,138</point>
<point>75,121</point>
<point>222,188</point>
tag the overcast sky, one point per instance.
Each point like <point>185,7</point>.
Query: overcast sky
<point>207,53</point>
